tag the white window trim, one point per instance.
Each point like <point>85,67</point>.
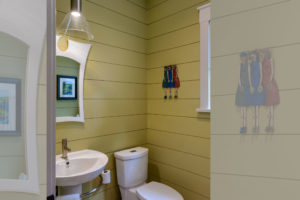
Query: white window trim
<point>204,20</point>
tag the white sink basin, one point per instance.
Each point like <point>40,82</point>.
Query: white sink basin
<point>84,166</point>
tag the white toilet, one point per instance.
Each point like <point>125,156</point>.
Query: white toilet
<point>132,169</point>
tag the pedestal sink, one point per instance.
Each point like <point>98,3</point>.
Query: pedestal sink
<point>80,167</point>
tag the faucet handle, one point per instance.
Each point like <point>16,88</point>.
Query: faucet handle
<point>65,148</point>
<point>64,141</point>
<point>65,144</point>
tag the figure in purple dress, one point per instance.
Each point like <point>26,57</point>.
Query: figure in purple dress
<point>270,85</point>
<point>257,90</point>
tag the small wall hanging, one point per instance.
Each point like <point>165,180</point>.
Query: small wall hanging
<point>10,107</point>
<point>66,87</point>
<point>171,80</point>
<point>257,87</point>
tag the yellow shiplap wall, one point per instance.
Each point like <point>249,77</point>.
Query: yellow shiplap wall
<point>124,103</point>
<point>115,82</point>
<point>178,137</point>
<point>259,166</point>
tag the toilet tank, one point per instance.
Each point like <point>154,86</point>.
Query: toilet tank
<point>132,166</point>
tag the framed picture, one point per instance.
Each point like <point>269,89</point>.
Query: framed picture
<point>66,87</point>
<point>10,107</point>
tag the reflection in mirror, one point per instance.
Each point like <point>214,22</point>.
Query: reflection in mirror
<point>71,57</point>
<point>13,62</point>
<point>67,71</point>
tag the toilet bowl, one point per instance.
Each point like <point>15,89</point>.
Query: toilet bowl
<point>132,169</point>
<point>150,191</point>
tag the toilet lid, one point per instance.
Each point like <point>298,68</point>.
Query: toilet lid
<point>157,191</point>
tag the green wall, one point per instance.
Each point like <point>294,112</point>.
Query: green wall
<point>67,67</point>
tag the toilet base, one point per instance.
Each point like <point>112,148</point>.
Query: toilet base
<point>129,193</point>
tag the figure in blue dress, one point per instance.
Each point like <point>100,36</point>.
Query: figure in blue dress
<point>170,83</point>
<point>243,90</point>
<point>257,90</point>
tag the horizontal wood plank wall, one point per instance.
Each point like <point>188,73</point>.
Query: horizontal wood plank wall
<point>67,67</point>
<point>178,137</point>
<point>114,86</point>
<point>124,67</point>
<point>255,166</point>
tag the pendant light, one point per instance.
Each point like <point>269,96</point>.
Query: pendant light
<point>74,23</point>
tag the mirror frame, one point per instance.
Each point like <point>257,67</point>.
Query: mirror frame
<point>27,24</point>
<point>78,52</point>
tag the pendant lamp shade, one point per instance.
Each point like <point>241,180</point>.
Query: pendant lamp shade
<point>74,23</point>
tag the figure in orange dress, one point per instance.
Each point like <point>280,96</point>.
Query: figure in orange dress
<point>272,92</point>
<point>176,80</point>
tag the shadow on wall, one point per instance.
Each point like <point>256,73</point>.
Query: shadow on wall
<point>153,173</point>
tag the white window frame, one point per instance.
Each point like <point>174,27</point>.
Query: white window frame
<point>204,21</point>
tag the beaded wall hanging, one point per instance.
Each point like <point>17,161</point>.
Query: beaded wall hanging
<point>170,80</point>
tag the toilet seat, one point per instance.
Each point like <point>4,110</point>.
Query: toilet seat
<point>157,191</point>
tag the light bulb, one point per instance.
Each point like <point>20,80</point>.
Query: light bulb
<point>75,13</point>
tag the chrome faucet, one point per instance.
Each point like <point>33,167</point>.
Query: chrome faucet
<point>65,149</point>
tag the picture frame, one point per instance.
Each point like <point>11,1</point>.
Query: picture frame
<point>10,107</point>
<point>66,87</point>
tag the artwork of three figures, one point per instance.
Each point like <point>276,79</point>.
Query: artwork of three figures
<point>256,88</point>
<point>171,80</point>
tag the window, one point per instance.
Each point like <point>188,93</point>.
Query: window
<point>204,20</point>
